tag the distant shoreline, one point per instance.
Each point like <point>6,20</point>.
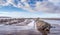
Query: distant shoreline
<point>51,18</point>
<point>46,18</point>
<point>33,18</point>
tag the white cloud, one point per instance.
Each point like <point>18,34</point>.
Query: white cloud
<point>55,2</point>
<point>45,6</point>
<point>19,5</point>
<point>28,15</point>
<point>18,14</point>
<point>23,0</point>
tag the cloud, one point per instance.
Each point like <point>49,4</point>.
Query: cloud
<point>19,14</point>
<point>29,15</point>
<point>19,5</point>
<point>45,6</point>
<point>56,2</point>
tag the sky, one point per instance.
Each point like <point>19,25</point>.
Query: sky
<point>30,8</point>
